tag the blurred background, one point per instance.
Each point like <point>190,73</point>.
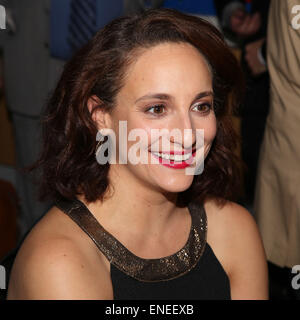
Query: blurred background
<point>37,37</point>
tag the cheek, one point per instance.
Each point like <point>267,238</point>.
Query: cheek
<point>210,132</point>
<point>138,136</point>
<point>150,128</point>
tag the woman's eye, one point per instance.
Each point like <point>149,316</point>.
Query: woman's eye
<point>203,107</point>
<point>157,109</point>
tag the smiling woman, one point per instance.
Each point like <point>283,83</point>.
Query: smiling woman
<point>143,230</point>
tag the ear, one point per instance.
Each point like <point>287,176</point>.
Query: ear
<point>100,116</point>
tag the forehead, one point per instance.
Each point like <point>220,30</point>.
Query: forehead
<point>169,67</point>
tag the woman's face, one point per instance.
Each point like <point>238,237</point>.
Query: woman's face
<point>169,86</point>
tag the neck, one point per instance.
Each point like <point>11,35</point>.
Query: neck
<point>135,206</point>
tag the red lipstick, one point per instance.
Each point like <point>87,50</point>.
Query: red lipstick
<point>176,164</point>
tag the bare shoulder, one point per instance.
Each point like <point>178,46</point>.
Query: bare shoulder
<point>235,238</point>
<point>232,220</point>
<point>58,261</point>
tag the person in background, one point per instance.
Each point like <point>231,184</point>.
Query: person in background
<point>29,74</point>
<point>244,23</point>
<point>277,198</point>
<point>40,36</point>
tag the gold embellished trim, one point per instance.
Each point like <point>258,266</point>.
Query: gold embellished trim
<point>148,270</point>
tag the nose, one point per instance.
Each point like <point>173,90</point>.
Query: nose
<point>183,124</point>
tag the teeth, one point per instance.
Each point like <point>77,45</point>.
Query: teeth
<point>174,157</point>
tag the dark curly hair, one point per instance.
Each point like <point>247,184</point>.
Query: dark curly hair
<point>67,161</point>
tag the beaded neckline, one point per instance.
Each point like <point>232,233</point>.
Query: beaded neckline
<point>149,270</point>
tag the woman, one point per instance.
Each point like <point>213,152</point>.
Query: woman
<point>139,230</point>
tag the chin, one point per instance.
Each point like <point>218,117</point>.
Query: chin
<point>175,184</point>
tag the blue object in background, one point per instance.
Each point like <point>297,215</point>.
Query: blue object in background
<point>59,23</point>
<point>203,7</point>
<point>248,6</point>
<point>107,10</point>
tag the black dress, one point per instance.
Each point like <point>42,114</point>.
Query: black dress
<point>192,273</point>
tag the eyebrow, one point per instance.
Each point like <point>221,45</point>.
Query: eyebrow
<point>165,96</point>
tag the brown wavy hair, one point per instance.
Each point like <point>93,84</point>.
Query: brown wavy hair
<point>67,163</point>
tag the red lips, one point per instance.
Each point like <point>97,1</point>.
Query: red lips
<point>175,164</point>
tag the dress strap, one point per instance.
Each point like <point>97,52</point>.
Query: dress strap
<point>149,270</point>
